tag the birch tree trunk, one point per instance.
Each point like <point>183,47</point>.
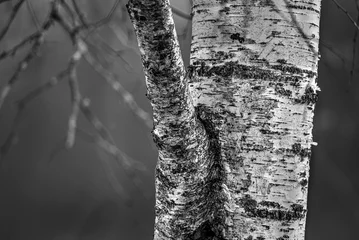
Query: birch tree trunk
<point>234,131</point>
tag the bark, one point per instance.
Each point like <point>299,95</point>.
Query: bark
<point>234,131</point>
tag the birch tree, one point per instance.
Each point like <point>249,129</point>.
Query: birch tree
<point>234,129</point>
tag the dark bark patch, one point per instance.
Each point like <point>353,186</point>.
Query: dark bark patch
<point>250,206</point>
<point>237,36</point>
<point>310,96</point>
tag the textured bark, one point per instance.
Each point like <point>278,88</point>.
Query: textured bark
<point>234,133</point>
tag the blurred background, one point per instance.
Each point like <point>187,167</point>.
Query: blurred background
<point>48,193</point>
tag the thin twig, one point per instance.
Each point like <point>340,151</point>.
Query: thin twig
<point>21,105</point>
<point>116,85</point>
<point>355,39</point>
<point>68,10</point>
<point>21,67</point>
<point>11,18</point>
<point>12,51</point>
<point>39,39</point>
<point>80,14</point>
<point>110,173</point>
<point>106,142</point>
<point>108,16</point>
<point>75,92</point>
<point>103,137</point>
<point>43,88</point>
<point>346,13</point>
<point>105,47</point>
<point>33,14</point>
<point>34,36</point>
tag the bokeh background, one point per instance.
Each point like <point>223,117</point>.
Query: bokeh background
<point>47,193</point>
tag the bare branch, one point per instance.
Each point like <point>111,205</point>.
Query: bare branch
<point>36,92</point>
<point>116,85</point>
<point>21,67</point>
<point>117,187</point>
<point>75,92</point>
<point>108,17</point>
<point>68,10</point>
<point>80,14</point>
<point>33,14</point>
<point>46,25</point>
<point>106,142</point>
<point>21,105</point>
<point>99,43</point>
<point>346,13</point>
<point>14,11</point>
<point>39,39</point>
<point>342,58</point>
<point>104,139</point>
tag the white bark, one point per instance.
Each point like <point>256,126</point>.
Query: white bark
<point>234,134</point>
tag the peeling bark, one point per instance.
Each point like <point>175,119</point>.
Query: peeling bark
<point>234,131</point>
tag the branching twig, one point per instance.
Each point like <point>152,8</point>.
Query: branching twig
<point>355,39</point>
<point>80,14</point>
<point>12,51</point>
<point>68,10</point>
<point>342,58</point>
<point>106,142</point>
<point>21,105</point>
<point>101,44</point>
<point>106,19</point>
<point>39,38</point>
<point>116,85</point>
<point>45,26</point>
<point>103,137</point>
<point>11,18</point>
<point>21,67</point>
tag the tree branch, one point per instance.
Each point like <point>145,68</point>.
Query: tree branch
<point>13,13</point>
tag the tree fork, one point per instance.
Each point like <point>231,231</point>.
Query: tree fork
<point>234,133</point>
<point>184,148</point>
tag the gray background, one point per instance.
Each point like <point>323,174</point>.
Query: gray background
<point>70,197</point>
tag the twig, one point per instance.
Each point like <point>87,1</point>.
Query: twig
<point>36,92</point>
<point>45,26</point>
<point>110,174</point>
<point>346,13</point>
<point>106,142</point>
<point>21,105</point>
<point>116,85</point>
<point>39,39</point>
<point>105,47</point>
<point>104,138</point>
<point>21,67</point>
<point>107,18</point>
<point>75,92</point>
<point>80,14</point>
<point>68,10</point>
<point>11,18</point>
<point>355,39</point>
<point>33,14</point>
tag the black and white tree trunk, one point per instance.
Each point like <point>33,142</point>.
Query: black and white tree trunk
<point>234,130</point>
